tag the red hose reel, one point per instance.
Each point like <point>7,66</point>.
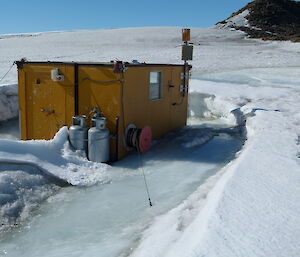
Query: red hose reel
<point>140,139</point>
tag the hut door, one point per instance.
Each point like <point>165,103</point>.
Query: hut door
<point>45,102</point>
<point>178,102</point>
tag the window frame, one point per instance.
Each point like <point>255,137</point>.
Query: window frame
<point>160,85</point>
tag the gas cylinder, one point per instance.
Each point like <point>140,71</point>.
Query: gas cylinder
<point>78,133</point>
<point>98,140</point>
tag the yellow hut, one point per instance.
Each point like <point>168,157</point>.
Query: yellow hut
<point>127,94</point>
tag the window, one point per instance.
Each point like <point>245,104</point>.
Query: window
<point>155,85</point>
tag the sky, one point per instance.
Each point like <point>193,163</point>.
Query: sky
<point>25,16</point>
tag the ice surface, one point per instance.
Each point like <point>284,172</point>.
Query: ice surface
<point>22,189</point>
<point>108,219</point>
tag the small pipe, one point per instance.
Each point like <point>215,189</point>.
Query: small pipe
<point>117,138</point>
<point>76,109</point>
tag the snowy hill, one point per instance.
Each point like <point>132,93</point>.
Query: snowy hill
<point>267,19</point>
<point>213,200</point>
<point>159,45</point>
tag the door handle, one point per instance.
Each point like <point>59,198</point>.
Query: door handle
<point>47,111</point>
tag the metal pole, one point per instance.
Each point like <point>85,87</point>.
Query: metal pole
<point>184,73</point>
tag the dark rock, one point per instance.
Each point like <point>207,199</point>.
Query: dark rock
<point>277,19</point>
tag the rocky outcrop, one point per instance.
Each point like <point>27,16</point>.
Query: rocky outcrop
<point>269,20</point>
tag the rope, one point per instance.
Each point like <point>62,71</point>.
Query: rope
<point>132,139</point>
<point>102,81</point>
<point>144,176</point>
<point>8,71</point>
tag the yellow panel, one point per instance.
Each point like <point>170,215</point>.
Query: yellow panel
<point>140,110</point>
<point>100,87</point>
<point>48,105</point>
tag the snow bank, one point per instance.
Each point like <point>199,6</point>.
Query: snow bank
<point>8,102</point>
<point>55,158</point>
<point>253,209</point>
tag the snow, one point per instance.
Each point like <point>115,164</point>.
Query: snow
<point>54,157</point>
<point>8,102</point>
<point>238,20</point>
<point>263,222</point>
<point>204,206</point>
<point>161,45</point>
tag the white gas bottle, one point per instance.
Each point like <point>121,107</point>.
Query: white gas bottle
<point>78,133</point>
<point>98,141</point>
